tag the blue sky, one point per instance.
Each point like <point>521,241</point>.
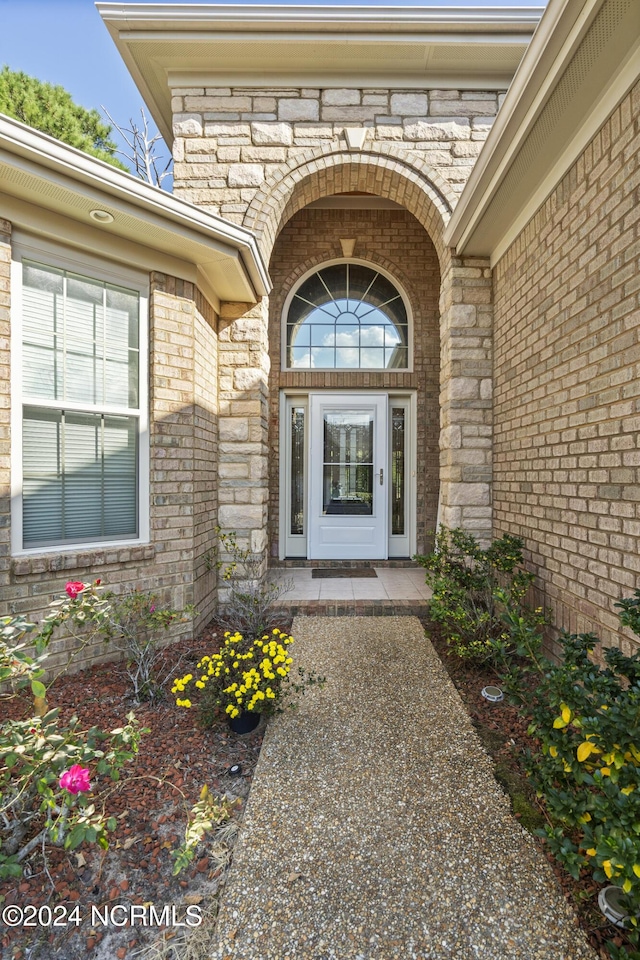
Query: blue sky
<point>65,42</point>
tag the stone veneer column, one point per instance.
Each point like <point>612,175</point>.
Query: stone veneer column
<point>243,373</point>
<point>466,414</point>
<point>5,399</point>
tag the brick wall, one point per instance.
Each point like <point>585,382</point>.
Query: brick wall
<point>394,240</point>
<point>205,494</point>
<point>183,436</point>
<point>567,384</point>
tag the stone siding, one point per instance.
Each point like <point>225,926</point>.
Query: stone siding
<point>258,157</point>
<point>394,240</point>
<point>567,384</point>
<point>230,141</point>
<point>243,447</point>
<point>466,404</point>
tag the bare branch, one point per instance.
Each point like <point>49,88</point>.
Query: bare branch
<point>147,163</point>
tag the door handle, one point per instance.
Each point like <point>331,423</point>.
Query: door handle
<point>381,476</point>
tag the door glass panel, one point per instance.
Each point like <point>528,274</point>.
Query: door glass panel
<point>398,438</point>
<point>347,480</point>
<point>297,471</point>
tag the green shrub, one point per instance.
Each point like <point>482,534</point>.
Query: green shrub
<point>478,597</point>
<point>587,719</point>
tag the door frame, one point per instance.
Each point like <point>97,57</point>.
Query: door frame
<point>296,547</point>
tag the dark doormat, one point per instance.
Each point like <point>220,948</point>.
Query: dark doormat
<point>331,573</point>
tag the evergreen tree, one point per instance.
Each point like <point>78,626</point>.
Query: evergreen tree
<point>52,110</point>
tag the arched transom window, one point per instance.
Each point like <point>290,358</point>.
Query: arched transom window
<point>347,316</point>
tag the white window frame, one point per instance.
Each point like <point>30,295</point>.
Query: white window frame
<point>354,370</point>
<point>51,254</point>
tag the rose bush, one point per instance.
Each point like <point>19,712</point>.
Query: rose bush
<point>45,765</point>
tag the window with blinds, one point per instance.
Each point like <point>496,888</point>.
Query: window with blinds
<point>81,408</point>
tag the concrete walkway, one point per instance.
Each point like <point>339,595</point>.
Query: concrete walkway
<point>375,829</point>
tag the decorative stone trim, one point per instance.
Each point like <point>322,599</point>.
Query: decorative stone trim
<point>55,562</point>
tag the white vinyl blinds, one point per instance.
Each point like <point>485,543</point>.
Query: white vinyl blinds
<point>81,408</point>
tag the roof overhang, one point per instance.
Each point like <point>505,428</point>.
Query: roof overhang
<point>49,187</point>
<point>583,59</point>
<point>199,45</point>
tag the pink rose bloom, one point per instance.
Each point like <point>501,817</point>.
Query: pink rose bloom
<point>73,588</point>
<point>76,779</point>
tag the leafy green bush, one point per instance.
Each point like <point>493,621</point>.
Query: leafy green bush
<point>478,597</point>
<point>36,808</point>
<point>587,719</point>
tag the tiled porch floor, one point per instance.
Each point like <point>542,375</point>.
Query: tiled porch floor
<point>393,592</point>
<point>406,583</point>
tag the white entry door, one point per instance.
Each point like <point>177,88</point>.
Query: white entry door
<point>348,483</point>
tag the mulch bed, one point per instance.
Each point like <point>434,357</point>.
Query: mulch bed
<point>156,791</point>
<point>502,729</point>
<point>151,802</point>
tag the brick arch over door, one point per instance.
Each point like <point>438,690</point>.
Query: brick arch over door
<point>324,172</point>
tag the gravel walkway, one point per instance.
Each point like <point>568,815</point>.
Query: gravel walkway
<point>375,829</point>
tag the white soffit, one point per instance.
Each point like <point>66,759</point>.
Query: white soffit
<point>200,45</point>
<point>42,179</point>
<point>584,58</point>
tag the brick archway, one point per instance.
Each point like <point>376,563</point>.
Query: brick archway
<point>324,171</point>
<point>388,171</point>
